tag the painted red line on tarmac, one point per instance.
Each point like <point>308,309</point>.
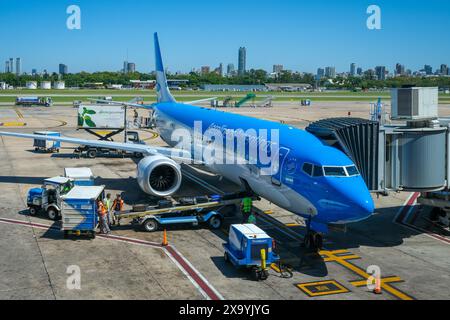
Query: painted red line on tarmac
<point>205,287</point>
<point>29,224</point>
<point>181,260</point>
<point>406,207</point>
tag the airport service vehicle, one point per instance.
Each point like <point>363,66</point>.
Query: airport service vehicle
<point>247,98</point>
<point>101,116</point>
<point>250,247</point>
<point>34,101</point>
<point>46,145</point>
<point>93,152</point>
<point>48,198</point>
<point>305,102</point>
<point>204,210</point>
<point>104,100</point>
<point>79,210</point>
<point>313,180</point>
<point>80,176</point>
<point>440,203</point>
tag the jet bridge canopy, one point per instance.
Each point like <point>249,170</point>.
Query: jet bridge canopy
<point>359,139</point>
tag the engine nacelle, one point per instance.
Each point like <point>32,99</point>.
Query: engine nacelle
<point>159,176</point>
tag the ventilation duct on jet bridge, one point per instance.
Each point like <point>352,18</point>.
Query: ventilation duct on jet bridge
<point>359,139</point>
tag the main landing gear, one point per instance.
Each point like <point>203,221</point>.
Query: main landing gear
<point>313,240</point>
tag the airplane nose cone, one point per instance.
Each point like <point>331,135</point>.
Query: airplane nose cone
<point>366,205</point>
<point>352,193</point>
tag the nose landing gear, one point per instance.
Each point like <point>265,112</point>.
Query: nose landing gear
<point>313,241</point>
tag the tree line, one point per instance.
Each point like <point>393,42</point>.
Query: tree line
<point>253,76</point>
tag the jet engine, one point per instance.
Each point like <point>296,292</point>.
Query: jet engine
<point>158,175</point>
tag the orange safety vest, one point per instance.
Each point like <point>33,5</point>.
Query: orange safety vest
<point>120,205</point>
<point>101,209</point>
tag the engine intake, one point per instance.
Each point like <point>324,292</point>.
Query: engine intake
<point>159,175</point>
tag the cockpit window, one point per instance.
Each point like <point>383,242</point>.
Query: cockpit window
<point>307,168</point>
<point>352,170</point>
<point>335,171</point>
<point>317,172</point>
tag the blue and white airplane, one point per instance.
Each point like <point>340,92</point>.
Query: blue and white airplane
<point>313,180</point>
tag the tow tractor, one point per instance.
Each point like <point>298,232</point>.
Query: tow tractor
<point>48,197</point>
<point>250,247</point>
<point>209,210</point>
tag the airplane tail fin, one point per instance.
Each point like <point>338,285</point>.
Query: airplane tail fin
<point>162,89</point>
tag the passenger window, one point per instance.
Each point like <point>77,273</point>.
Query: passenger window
<point>307,168</point>
<point>318,172</point>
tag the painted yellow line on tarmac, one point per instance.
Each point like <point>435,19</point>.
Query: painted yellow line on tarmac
<point>362,283</point>
<point>19,114</point>
<point>13,124</point>
<point>322,288</point>
<point>154,135</point>
<point>342,260</point>
<point>102,132</point>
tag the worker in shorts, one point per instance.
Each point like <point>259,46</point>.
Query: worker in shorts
<point>117,206</point>
<point>103,217</point>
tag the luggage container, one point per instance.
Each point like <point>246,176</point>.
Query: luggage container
<point>46,145</point>
<point>80,176</point>
<point>79,210</point>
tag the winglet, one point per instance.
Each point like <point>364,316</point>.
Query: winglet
<point>162,89</point>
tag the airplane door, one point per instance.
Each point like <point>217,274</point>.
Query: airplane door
<point>277,176</point>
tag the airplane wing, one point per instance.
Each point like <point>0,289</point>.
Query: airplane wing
<point>144,106</point>
<point>198,101</point>
<point>128,104</point>
<point>175,154</point>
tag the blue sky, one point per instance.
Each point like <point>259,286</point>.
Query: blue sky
<point>301,35</point>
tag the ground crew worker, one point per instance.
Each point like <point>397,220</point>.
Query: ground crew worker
<point>108,204</point>
<point>246,208</point>
<point>252,218</point>
<point>117,205</point>
<point>102,214</point>
<point>135,117</point>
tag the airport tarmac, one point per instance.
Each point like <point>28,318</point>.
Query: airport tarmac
<point>131,264</point>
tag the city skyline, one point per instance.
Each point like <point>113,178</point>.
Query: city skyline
<point>334,34</point>
<point>379,71</point>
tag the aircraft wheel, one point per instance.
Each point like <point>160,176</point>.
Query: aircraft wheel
<point>226,257</point>
<point>318,241</point>
<point>309,241</point>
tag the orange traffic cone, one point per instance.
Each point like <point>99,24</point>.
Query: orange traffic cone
<point>377,289</point>
<point>165,242</point>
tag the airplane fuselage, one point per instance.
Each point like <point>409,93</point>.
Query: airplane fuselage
<point>325,198</point>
